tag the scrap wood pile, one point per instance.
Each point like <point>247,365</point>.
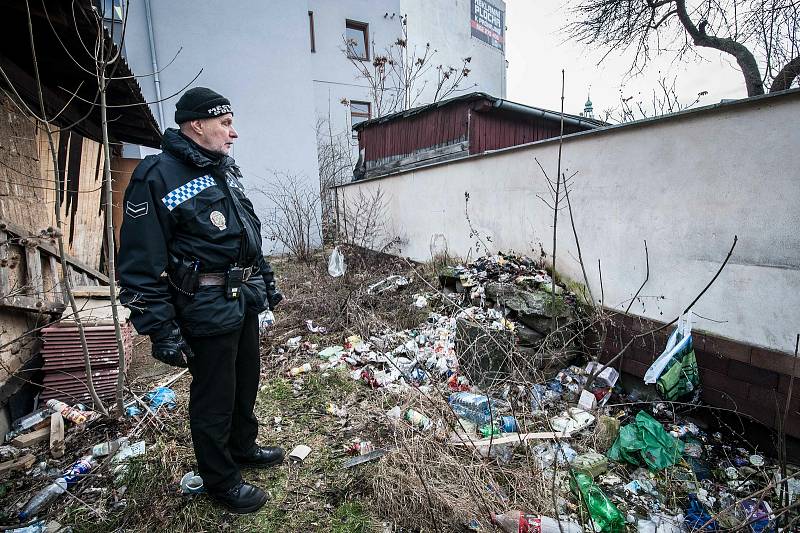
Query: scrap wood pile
<point>479,431</point>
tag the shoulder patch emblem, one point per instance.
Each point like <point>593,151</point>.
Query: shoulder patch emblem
<point>136,210</point>
<point>187,191</point>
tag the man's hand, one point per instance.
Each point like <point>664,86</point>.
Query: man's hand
<point>169,347</point>
<point>274,297</point>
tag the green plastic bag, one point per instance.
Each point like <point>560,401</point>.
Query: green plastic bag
<point>605,514</point>
<point>681,375</point>
<point>645,441</point>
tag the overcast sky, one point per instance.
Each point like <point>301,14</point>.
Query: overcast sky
<point>537,51</point>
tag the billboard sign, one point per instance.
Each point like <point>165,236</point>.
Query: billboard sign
<point>488,23</point>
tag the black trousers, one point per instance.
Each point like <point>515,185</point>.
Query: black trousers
<point>225,372</point>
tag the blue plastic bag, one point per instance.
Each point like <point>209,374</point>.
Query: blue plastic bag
<point>161,396</point>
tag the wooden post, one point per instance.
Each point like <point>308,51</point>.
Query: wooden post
<point>4,289</point>
<point>58,295</point>
<point>33,261</point>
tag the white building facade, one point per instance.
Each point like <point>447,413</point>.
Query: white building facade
<point>284,66</point>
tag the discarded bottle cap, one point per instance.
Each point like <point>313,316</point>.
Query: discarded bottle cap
<point>756,460</point>
<point>191,483</point>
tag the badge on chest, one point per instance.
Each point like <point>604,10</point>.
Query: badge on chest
<point>218,219</point>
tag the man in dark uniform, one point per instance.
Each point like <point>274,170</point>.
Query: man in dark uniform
<point>193,274</point>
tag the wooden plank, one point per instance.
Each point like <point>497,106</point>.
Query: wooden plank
<point>33,262</point>
<point>33,305</point>
<point>56,435</point>
<point>20,463</point>
<point>511,438</point>
<point>31,439</point>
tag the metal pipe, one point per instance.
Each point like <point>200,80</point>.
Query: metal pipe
<point>154,60</point>
<point>542,113</point>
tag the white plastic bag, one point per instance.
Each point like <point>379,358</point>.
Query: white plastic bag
<point>676,341</point>
<point>336,264</point>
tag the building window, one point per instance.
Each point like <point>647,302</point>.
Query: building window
<point>357,36</point>
<point>359,112</point>
<point>311,31</point>
<point>111,9</point>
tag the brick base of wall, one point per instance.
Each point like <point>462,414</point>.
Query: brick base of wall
<point>749,379</point>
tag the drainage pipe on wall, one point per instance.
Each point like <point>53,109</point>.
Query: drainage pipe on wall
<point>154,59</point>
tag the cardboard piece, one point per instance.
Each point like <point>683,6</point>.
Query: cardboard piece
<point>299,453</point>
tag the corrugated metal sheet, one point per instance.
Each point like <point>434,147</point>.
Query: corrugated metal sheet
<point>65,377</point>
<point>434,128</point>
<point>494,130</point>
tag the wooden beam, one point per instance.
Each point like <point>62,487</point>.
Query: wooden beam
<point>30,439</point>
<point>511,438</point>
<point>20,463</point>
<point>20,231</point>
<point>56,435</point>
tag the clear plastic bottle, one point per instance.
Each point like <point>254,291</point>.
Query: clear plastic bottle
<point>43,498</point>
<point>30,420</point>
<point>473,407</point>
<point>519,522</point>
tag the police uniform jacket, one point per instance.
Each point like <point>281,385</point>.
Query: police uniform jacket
<point>179,206</point>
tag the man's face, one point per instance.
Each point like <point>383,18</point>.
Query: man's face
<point>217,134</point>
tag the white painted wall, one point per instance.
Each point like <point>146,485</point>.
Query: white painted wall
<point>685,184</point>
<point>446,25</point>
<point>256,55</point>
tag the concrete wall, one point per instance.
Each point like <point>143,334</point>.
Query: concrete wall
<point>687,184</point>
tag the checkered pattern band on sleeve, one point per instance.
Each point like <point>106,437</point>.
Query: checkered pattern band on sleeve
<point>187,191</point>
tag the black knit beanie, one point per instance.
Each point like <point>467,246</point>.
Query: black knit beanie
<point>199,103</point>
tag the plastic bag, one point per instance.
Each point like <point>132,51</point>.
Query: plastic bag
<point>605,515</point>
<point>162,396</point>
<point>681,335</point>
<point>336,264</point>
<point>675,372</point>
<point>645,440</point>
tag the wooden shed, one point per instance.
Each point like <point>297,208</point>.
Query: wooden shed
<point>30,266</point>
<point>457,127</point>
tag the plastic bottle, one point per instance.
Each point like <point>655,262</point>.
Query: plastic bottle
<point>519,522</point>
<point>80,467</point>
<point>415,418</point>
<point>473,407</point>
<point>43,498</point>
<point>30,420</point>
<point>605,515</point>
<point>107,448</point>
<point>68,412</point>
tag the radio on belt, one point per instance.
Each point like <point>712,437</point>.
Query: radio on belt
<point>233,282</point>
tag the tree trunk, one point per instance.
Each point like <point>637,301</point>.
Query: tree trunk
<point>745,59</point>
<point>786,76</point>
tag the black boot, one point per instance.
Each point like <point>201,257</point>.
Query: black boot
<point>262,457</point>
<point>242,498</point>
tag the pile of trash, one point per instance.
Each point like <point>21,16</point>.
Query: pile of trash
<point>609,462</point>
<point>34,458</point>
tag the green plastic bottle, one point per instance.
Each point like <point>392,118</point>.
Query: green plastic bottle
<point>605,514</point>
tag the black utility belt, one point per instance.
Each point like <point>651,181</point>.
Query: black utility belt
<point>232,280</point>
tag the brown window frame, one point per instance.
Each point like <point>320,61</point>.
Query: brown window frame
<point>311,31</point>
<point>358,114</point>
<point>364,28</point>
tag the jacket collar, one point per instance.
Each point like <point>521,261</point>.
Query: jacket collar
<point>183,148</point>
